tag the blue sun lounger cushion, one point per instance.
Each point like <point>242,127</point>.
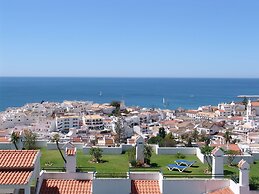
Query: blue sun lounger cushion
<point>184,162</point>
<point>177,167</point>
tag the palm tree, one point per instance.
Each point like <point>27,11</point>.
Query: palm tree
<point>227,137</point>
<point>15,139</point>
<point>147,153</point>
<point>30,140</point>
<point>56,138</point>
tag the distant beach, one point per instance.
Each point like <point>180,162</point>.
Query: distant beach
<point>168,93</point>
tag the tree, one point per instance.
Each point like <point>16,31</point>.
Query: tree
<point>56,138</point>
<point>162,132</point>
<point>30,140</point>
<point>227,137</point>
<point>206,150</point>
<point>132,156</point>
<point>231,156</point>
<point>14,139</point>
<point>147,153</point>
<point>120,132</point>
<point>117,105</point>
<point>195,135</point>
<point>155,140</point>
<point>169,140</point>
<point>96,153</point>
<point>189,142</point>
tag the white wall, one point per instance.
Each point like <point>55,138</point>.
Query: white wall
<point>200,156</point>
<point>111,150</point>
<point>41,143</point>
<point>256,155</point>
<point>234,187</point>
<point>253,192</point>
<point>144,175</point>
<point>192,186</point>
<point>65,175</point>
<point>106,150</point>
<point>126,147</point>
<point>248,158</point>
<point>7,146</point>
<point>102,186</point>
<point>53,146</point>
<point>175,150</point>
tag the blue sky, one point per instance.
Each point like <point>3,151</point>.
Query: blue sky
<point>129,38</point>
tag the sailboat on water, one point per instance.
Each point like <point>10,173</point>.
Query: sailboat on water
<point>100,93</point>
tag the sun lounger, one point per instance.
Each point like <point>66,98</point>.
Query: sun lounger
<point>177,167</point>
<point>184,162</point>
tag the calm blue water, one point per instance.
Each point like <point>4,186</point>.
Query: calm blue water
<point>145,92</point>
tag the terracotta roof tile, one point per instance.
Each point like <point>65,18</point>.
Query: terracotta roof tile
<point>145,187</point>
<point>234,147</point>
<point>4,139</point>
<point>76,139</point>
<point>256,103</point>
<point>17,158</point>
<point>226,190</point>
<point>14,177</point>
<point>55,186</point>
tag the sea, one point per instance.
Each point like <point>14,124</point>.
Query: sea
<point>165,93</point>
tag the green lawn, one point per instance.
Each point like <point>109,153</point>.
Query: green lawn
<point>161,162</point>
<point>115,164</point>
<point>119,163</point>
<point>254,174</point>
<point>254,169</point>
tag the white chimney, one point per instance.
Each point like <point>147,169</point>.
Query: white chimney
<point>71,159</point>
<point>217,163</point>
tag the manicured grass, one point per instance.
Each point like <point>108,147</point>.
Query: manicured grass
<point>110,164</point>
<point>254,174</point>
<point>161,161</point>
<point>254,169</point>
<point>51,157</point>
<point>120,164</point>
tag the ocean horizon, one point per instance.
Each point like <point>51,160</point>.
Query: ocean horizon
<point>170,93</point>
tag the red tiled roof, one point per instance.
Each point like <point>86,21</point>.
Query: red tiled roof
<point>17,158</point>
<point>55,186</point>
<point>255,103</point>
<point>223,191</point>
<point>71,151</point>
<point>234,147</point>
<point>14,177</point>
<point>145,187</point>
<point>76,139</point>
<point>4,139</point>
<point>238,118</point>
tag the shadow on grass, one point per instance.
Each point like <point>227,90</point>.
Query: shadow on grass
<point>154,165</point>
<point>228,172</point>
<point>184,172</point>
<point>195,166</point>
